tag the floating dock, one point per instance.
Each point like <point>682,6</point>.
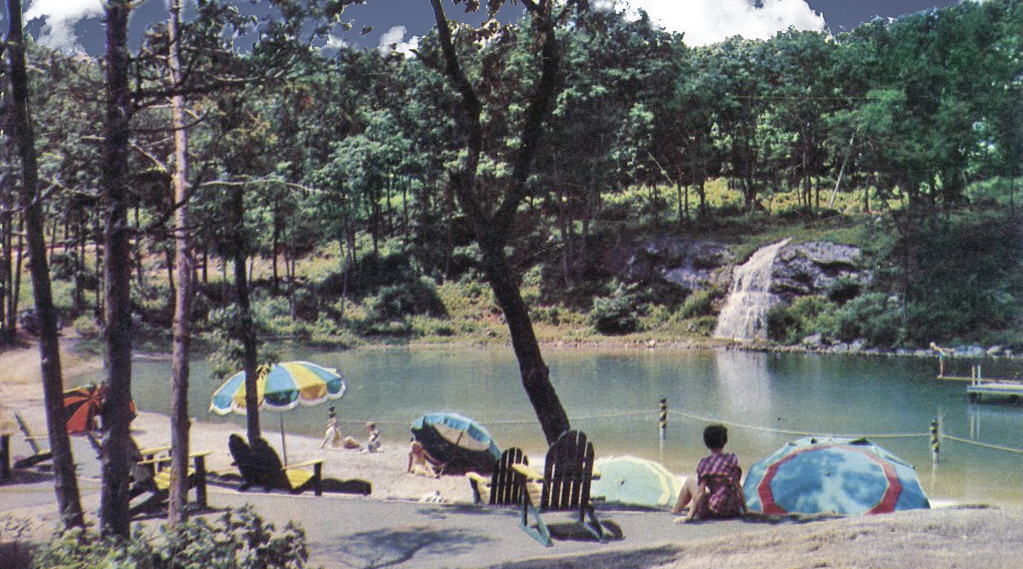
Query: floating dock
<point>1002,389</point>
<point>981,389</point>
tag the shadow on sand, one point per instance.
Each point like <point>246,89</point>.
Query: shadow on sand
<point>392,547</point>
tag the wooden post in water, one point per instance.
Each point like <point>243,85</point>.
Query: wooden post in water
<point>935,440</point>
<point>664,418</point>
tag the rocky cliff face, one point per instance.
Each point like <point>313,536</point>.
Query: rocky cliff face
<point>814,268</point>
<point>689,264</point>
<point>800,269</point>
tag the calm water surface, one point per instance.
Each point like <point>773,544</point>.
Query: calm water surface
<point>613,395</point>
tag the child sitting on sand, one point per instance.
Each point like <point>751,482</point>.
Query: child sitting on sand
<point>714,491</point>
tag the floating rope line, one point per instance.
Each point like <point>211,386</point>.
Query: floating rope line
<point>704,418</point>
<point>529,420</point>
<point>794,432</point>
<point>982,444</point>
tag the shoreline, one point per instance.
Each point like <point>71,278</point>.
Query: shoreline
<point>941,537</point>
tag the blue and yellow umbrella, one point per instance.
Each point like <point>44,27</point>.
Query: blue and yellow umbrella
<point>635,482</point>
<point>280,387</point>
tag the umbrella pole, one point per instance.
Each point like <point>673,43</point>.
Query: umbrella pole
<point>284,447</point>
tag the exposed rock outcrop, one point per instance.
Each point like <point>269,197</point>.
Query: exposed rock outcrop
<point>689,264</point>
<point>814,267</point>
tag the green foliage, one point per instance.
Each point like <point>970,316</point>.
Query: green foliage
<point>226,356</point>
<point>240,539</point>
<point>874,317</point>
<point>616,314</point>
<point>87,328</point>
<point>963,274</point>
<point>408,298</point>
<point>700,302</point>
<point>806,315</point>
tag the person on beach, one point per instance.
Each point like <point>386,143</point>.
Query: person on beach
<point>372,438</point>
<point>333,434</point>
<point>372,443</point>
<point>420,461</point>
<point>715,491</point>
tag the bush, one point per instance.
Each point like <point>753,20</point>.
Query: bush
<point>874,317</point>
<point>805,316</point>
<point>407,298</point>
<point>615,314</point>
<point>239,539</point>
<point>700,303</point>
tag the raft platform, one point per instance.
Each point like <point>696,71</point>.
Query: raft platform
<point>980,388</point>
<point>1002,389</point>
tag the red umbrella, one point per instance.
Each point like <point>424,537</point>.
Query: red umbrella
<point>83,404</point>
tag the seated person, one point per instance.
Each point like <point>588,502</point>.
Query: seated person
<point>422,462</point>
<point>372,443</point>
<point>715,491</point>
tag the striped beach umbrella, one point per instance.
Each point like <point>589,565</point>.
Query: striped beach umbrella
<point>457,440</point>
<point>635,482</point>
<point>280,387</point>
<point>832,475</point>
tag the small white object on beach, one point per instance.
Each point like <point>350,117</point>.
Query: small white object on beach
<point>432,497</point>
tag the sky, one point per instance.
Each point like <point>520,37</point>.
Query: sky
<point>76,25</point>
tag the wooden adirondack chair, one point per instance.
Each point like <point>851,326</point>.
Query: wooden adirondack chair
<point>568,470</point>
<point>259,465</point>
<point>38,455</point>
<point>503,487</point>
<point>156,481</point>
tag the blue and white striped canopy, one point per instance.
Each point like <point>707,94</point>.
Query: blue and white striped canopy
<point>457,440</point>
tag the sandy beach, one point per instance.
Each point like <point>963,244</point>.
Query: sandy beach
<point>395,526</point>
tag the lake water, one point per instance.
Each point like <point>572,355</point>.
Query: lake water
<point>613,396</point>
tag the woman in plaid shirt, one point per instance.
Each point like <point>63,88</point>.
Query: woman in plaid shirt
<point>715,491</point>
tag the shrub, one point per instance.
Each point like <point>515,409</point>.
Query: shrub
<point>615,314</point>
<point>87,327</point>
<point>239,539</point>
<point>700,303</point>
<point>399,300</point>
<point>873,317</point>
<point>806,315</point>
<point>843,289</point>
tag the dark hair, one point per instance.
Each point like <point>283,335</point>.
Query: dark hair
<point>715,436</point>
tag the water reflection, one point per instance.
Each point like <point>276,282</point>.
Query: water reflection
<point>613,395</point>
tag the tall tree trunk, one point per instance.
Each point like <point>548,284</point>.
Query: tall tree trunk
<point>183,270</point>
<point>65,482</point>
<point>245,325</point>
<point>7,263</point>
<point>534,371</point>
<point>114,516</point>
<point>492,225</point>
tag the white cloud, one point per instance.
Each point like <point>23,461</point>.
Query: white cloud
<point>394,40</point>
<point>710,21</point>
<point>58,31</point>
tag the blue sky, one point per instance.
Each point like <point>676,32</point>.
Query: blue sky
<point>76,25</point>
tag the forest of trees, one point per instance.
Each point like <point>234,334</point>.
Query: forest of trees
<point>294,152</point>
<point>351,187</point>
